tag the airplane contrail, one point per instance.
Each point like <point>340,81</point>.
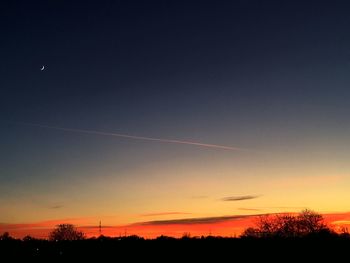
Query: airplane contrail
<point>127,136</point>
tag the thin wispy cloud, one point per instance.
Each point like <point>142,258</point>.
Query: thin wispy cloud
<point>165,214</point>
<point>249,209</point>
<point>133,137</point>
<point>56,206</point>
<point>239,198</point>
<point>286,207</point>
<point>273,208</point>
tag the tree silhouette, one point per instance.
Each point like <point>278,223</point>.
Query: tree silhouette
<point>66,232</point>
<point>306,223</point>
<point>310,222</point>
<point>5,236</point>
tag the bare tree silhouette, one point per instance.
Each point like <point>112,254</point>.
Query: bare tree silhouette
<point>305,223</point>
<point>66,232</point>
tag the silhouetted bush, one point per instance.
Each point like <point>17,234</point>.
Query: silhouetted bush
<point>66,232</point>
<point>165,238</point>
<point>29,238</point>
<point>6,236</point>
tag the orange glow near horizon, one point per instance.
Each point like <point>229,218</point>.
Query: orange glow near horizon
<point>229,228</point>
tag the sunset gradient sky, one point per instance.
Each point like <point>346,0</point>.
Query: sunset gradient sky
<point>266,81</point>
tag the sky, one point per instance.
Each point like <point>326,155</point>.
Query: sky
<point>164,111</point>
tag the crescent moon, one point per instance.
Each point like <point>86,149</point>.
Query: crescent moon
<point>43,67</point>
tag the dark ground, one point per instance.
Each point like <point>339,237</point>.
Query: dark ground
<point>167,249</point>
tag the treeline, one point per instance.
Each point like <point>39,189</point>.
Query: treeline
<point>294,236</point>
<point>165,249</point>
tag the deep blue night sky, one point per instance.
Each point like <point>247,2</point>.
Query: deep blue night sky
<point>171,61</point>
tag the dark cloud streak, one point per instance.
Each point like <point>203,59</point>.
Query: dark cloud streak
<point>56,207</point>
<point>239,198</point>
<point>197,220</point>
